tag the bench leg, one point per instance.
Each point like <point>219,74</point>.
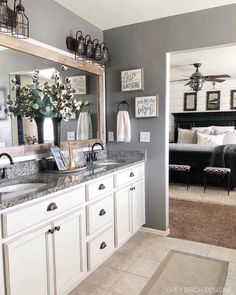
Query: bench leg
<point>205,181</point>
<point>188,180</point>
<point>228,183</point>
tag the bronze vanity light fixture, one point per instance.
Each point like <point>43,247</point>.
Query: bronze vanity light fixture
<point>89,50</point>
<point>15,21</point>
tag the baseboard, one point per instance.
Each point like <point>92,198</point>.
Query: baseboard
<point>155,231</point>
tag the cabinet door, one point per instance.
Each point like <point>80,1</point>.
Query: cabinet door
<point>122,216</point>
<point>28,264</point>
<point>69,249</point>
<point>137,205</point>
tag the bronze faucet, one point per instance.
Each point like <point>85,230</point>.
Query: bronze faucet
<point>5,168</point>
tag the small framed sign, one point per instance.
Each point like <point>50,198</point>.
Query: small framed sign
<point>147,106</point>
<point>132,80</point>
<point>59,158</point>
<point>233,99</point>
<point>80,84</point>
<point>213,100</point>
<point>190,101</point>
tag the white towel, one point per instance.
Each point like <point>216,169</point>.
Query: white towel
<point>123,127</point>
<point>84,126</point>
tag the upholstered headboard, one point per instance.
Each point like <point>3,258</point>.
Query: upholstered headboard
<point>203,119</point>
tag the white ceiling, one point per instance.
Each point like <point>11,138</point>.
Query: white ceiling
<point>107,14</point>
<point>215,61</point>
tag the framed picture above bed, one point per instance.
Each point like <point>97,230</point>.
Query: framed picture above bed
<point>213,101</point>
<point>233,99</point>
<point>190,101</point>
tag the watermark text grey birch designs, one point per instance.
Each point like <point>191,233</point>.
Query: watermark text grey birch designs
<point>198,290</point>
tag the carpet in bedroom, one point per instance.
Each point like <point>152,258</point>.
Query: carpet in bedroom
<point>203,222</point>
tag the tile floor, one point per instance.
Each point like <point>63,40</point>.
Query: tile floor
<point>127,271</point>
<point>212,195</point>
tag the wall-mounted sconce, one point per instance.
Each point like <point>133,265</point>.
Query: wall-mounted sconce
<point>89,50</point>
<point>14,21</point>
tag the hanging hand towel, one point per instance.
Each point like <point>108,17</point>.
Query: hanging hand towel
<point>123,127</point>
<point>84,126</point>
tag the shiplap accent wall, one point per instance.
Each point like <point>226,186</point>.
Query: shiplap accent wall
<point>177,91</point>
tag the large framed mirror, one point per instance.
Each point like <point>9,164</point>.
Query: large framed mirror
<point>18,61</point>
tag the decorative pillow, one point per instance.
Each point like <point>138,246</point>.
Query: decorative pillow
<point>210,139</point>
<point>186,136</point>
<point>222,129</point>
<point>204,130</point>
<point>230,138</point>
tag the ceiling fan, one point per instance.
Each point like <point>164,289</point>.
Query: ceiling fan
<point>196,80</point>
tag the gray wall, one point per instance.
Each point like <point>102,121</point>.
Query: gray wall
<point>51,23</point>
<point>145,45</point>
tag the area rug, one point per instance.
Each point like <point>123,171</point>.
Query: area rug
<point>184,273</point>
<point>203,222</point>
<point>213,195</point>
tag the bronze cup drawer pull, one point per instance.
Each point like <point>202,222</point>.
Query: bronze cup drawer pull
<point>101,187</point>
<point>52,206</point>
<point>103,245</point>
<point>131,174</point>
<point>102,212</point>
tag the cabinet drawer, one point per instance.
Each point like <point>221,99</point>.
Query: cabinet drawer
<point>99,187</point>
<point>99,214</point>
<point>128,175</point>
<point>23,218</point>
<point>100,248</point>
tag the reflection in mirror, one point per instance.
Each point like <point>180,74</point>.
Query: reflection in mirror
<point>18,72</point>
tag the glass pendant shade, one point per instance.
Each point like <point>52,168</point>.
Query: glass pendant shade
<point>80,48</point>
<point>20,22</point>
<point>5,17</point>
<point>105,56</point>
<point>196,84</point>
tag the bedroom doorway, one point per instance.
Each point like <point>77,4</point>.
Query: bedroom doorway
<point>202,121</point>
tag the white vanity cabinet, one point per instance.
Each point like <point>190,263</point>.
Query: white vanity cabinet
<point>129,204</point>
<point>29,263</point>
<point>69,251</point>
<point>48,257</point>
<point>100,220</point>
<point>49,245</point>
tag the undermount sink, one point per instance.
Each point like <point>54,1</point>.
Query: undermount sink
<point>19,189</point>
<point>109,162</point>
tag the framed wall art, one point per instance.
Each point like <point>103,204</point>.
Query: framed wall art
<point>147,106</point>
<point>132,80</point>
<point>233,99</point>
<point>80,84</point>
<point>190,101</point>
<point>213,101</point>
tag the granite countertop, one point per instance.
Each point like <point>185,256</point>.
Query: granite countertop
<point>57,182</point>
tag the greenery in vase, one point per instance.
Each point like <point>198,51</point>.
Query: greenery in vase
<point>53,99</point>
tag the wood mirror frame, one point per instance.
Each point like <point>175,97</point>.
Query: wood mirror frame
<point>45,51</point>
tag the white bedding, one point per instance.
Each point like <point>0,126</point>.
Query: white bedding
<point>191,147</point>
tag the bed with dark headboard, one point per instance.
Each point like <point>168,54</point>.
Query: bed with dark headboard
<point>203,119</point>
<point>196,156</point>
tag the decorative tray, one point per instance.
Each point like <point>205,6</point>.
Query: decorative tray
<point>67,171</point>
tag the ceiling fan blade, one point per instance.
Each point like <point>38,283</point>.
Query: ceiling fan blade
<point>215,80</point>
<point>188,83</point>
<point>218,76</point>
<point>181,80</point>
